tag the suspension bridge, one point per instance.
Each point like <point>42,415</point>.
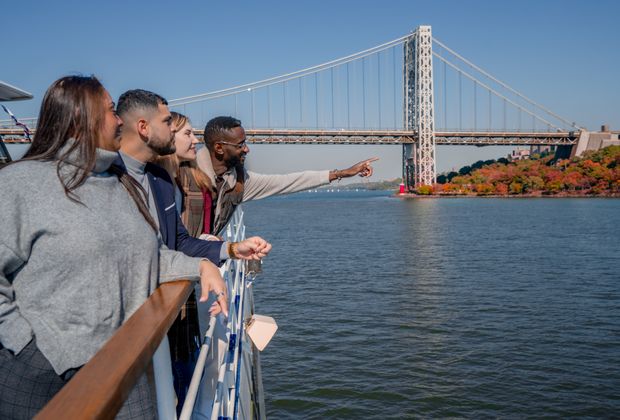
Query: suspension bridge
<point>413,91</point>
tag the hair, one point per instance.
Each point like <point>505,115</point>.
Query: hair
<point>216,128</point>
<point>136,192</point>
<point>172,165</point>
<point>178,120</point>
<point>73,107</point>
<point>138,99</point>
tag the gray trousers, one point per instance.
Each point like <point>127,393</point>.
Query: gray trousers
<point>28,382</point>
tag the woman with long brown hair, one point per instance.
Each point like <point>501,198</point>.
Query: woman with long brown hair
<point>78,251</point>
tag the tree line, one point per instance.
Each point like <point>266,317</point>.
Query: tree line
<point>595,173</point>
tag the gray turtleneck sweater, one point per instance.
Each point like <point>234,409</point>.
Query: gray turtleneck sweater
<point>71,273</point>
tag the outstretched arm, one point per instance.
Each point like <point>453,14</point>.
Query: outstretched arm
<point>363,169</point>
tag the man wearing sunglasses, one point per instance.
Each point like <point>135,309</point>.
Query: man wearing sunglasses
<point>223,161</point>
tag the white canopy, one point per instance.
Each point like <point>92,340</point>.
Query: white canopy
<point>12,93</point>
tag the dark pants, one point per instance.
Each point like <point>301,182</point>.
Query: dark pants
<point>28,382</point>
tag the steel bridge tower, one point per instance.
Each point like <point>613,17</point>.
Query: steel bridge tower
<point>419,115</point>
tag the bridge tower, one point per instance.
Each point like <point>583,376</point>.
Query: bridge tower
<point>419,158</point>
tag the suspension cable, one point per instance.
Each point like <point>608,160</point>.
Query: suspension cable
<point>288,76</point>
<point>525,98</point>
<point>469,76</point>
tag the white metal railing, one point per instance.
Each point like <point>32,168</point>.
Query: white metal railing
<point>190,399</point>
<point>226,382</point>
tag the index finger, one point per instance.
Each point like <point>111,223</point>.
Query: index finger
<point>371,160</point>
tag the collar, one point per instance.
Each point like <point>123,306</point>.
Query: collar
<point>203,160</point>
<point>103,160</point>
<point>132,164</point>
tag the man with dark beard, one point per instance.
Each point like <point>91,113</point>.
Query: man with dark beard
<point>223,161</point>
<point>146,134</point>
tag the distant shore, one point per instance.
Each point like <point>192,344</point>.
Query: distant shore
<point>530,195</point>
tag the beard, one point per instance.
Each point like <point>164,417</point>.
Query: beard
<point>234,162</point>
<point>162,148</point>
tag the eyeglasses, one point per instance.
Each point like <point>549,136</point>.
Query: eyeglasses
<point>237,145</point>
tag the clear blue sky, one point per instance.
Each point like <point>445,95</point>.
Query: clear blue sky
<point>564,54</point>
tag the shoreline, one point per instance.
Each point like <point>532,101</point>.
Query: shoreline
<point>559,195</point>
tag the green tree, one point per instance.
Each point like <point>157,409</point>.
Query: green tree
<point>465,170</point>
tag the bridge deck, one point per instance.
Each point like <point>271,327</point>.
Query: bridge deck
<point>471,138</point>
<point>260,136</point>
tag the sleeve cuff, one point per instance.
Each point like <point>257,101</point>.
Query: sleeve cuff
<point>324,177</point>
<point>224,251</point>
<point>16,334</point>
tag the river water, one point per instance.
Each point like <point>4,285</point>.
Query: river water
<point>454,307</point>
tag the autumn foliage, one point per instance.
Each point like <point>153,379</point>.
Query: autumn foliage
<point>595,173</point>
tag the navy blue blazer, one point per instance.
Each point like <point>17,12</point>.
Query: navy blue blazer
<point>173,232</point>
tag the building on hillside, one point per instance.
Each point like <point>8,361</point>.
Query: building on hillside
<point>542,149</point>
<point>595,140</point>
<point>519,154</point>
<point>603,139</point>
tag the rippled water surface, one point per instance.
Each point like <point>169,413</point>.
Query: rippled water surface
<point>463,308</point>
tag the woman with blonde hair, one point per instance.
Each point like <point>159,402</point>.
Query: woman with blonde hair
<point>194,187</point>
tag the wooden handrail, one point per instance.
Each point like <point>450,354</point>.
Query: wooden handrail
<point>99,389</point>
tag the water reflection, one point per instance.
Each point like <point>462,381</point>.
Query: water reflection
<point>440,308</point>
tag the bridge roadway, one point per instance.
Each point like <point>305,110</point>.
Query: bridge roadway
<point>465,138</point>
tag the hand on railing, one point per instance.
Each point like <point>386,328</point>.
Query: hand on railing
<point>253,248</point>
<point>211,280</point>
